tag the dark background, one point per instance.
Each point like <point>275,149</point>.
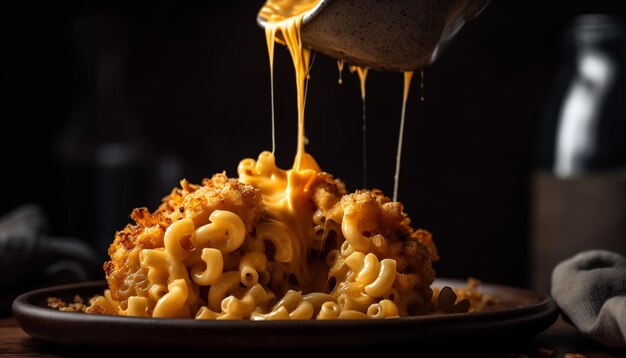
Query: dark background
<point>183,88</point>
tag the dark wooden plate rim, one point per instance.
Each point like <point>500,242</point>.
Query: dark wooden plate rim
<point>523,313</point>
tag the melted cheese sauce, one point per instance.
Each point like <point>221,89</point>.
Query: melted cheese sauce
<point>405,95</point>
<point>286,192</point>
<point>362,72</point>
<point>286,196</point>
<point>269,37</point>
<point>340,68</point>
<point>286,16</point>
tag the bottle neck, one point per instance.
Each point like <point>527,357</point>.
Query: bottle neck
<point>596,34</point>
<point>584,116</point>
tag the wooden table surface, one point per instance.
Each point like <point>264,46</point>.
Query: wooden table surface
<point>557,341</point>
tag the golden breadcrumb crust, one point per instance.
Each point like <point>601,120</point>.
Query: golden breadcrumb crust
<point>124,273</point>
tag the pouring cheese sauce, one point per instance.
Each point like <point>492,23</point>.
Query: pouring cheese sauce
<point>285,17</point>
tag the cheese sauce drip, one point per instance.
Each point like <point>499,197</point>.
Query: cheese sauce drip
<point>286,194</point>
<point>362,72</point>
<point>269,37</point>
<point>405,95</point>
<point>286,16</point>
<point>340,64</point>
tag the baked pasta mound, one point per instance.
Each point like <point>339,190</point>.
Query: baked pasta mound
<point>270,244</point>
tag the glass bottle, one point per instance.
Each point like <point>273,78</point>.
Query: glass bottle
<point>579,181</point>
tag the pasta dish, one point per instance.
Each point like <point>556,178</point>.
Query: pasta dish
<point>271,244</point>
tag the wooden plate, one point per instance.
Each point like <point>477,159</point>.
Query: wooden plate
<point>521,315</point>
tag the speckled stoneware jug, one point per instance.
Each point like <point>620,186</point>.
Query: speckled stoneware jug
<point>389,35</point>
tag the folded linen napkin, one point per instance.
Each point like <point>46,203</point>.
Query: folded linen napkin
<point>30,259</point>
<point>590,289</point>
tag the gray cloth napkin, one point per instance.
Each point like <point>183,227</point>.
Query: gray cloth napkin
<point>30,259</point>
<point>590,289</point>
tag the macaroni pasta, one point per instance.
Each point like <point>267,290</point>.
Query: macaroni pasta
<point>272,244</point>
